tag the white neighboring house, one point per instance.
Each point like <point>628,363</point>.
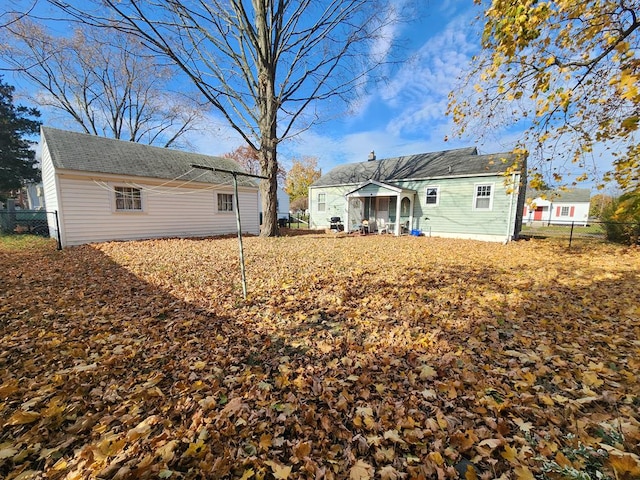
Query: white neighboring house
<point>282,206</point>
<point>557,207</point>
<point>105,189</point>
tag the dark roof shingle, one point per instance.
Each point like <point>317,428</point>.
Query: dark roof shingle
<point>459,162</point>
<point>91,153</point>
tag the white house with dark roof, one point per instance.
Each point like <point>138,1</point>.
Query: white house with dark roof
<point>105,189</point>
<point>453,193</point>
<point>556,207</point>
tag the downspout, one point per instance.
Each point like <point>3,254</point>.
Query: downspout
<point>509,231</point>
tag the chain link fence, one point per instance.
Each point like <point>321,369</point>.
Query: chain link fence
<point>593,231</point>
<point>34,222</point>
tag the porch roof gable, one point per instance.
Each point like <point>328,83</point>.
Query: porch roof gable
<point>381,185</point>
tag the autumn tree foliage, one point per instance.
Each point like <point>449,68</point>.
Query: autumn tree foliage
<point>301,175</point>
<point>102,82</point>
<point>569,72</point>
<point>266,66</point>
<point>249,159</point>
<point>17,158</point>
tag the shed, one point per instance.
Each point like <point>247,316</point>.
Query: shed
<point>105,189</point>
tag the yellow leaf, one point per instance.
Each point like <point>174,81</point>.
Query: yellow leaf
<point>7,452</point>
<point>393,435</point>
<point>8,388</point>
<point>436,457</point>
<point>247,474</point>
<point>21,417</point>
<point>361,471</point>
<point>166,451</point>
<point>388,473</point>
<point>492,443</point>
<point>591,379</point>
<point>195,449</point>
<point>427,372</point>
<point>280,472</point>
<point>266,441</point>
<point>509,453</point>
<point>470,473</point>
<point>626,464</point>
<point>523,473</point>
<point>302,449</point>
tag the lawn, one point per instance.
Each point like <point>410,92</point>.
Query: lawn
<point>352,358</point>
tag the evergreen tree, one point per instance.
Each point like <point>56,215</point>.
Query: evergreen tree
<point>17,159</point>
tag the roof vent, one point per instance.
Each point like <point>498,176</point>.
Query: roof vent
<point>372,156</point>
<point>450,169</point>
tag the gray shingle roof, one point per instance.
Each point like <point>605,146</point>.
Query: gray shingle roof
<point>459,162</point>
<point>91,153</point>
<point>569,196</point>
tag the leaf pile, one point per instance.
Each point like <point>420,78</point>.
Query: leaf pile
<point>353,358</point>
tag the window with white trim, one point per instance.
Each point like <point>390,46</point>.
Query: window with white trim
<point>225,202</point>
<point>322,202</point>
<point>483,197</point>
<point>128,199</point>
<point>432,195</point>
<point>564,212</point>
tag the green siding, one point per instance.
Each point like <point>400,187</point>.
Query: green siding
<point>335,204</point>
<point>454,214</point>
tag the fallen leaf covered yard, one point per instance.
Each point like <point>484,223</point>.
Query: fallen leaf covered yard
<point>135,360</point>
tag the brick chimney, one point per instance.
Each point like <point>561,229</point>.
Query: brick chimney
<point>372,156</point>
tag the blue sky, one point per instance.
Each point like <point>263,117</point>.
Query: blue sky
<point>406,115</point>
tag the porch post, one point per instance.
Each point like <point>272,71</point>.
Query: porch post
<point>397,225</point>
<point>411,200</point>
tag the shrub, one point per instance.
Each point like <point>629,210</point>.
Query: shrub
<point>622,218</point>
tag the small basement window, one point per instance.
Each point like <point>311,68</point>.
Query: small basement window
<point>128,199</point>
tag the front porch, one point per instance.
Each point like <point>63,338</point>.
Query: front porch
<point>376,207</point>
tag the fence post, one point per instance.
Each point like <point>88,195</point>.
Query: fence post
<point>571,234</point>
<point>55,212</point>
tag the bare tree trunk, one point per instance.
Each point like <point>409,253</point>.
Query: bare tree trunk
<point>269,189</point>
<point>268,120</point>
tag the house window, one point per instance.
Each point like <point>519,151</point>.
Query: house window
<point>564,212</point>
<point>405,207</point>
<point>483,197</point>
<point>432,195</point>
<point>225,202</point>
<point>128,199</point>
<point>322,202</point>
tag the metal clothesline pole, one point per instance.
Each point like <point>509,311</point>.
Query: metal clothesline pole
<point>235,174</point>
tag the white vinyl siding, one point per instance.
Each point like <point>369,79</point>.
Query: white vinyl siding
<point>89,214</point>
<point>51,200</point>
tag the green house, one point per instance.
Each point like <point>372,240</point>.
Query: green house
<point>453,193</point>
